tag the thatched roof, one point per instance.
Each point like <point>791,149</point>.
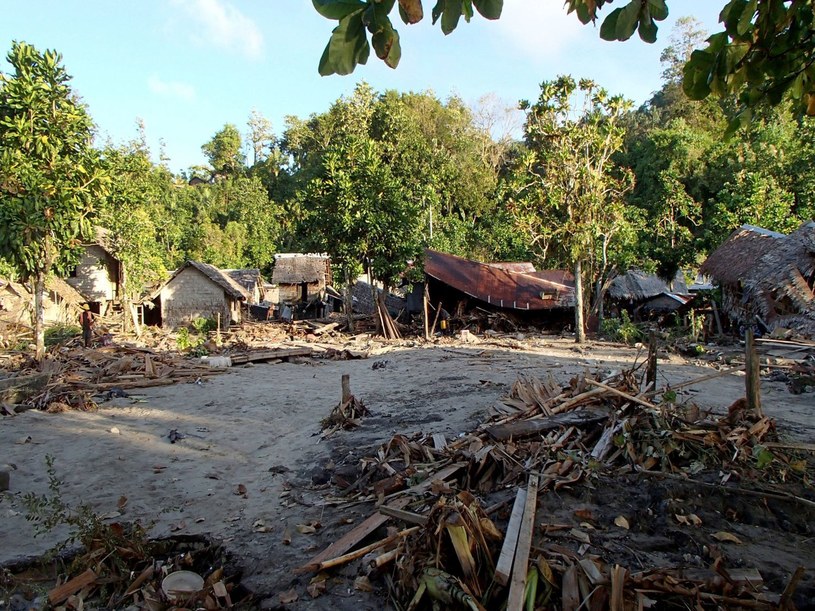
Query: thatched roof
<point>735,260</point>
<point>230,287</point>
<point>637,285</point>
<point>299,268</point>
<point>249,279</point>
<point>783,283</point>
<point>66,292</point>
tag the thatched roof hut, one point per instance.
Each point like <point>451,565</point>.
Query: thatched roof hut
<point>298,268</point>
<point>199,290</point>
<point>736,258</point>
<point>783,283</point>
<point>301,276</point>
<point>636,286</point>
<point>251,281</point>
<point>768,274</point>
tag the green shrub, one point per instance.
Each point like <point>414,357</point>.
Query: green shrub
<point>58,333</point>
<point>621,329</point>
<point>204,325</point>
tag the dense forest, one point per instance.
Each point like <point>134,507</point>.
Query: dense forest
<point>379,176</point>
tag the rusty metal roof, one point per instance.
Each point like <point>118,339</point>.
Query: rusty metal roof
<point>545,290</point>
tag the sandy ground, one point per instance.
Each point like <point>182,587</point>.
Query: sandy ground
<point>256,428</point>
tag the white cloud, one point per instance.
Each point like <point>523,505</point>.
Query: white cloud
<point>219,23</point>
<point>175,89</point>
<point>538,27</point>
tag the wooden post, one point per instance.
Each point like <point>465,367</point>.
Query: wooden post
<point>426,307</point>
<point>716,317</point>
<point>219,327</point>
<point>752,379</point>
<point>651,372</point>
<point>346,388</point>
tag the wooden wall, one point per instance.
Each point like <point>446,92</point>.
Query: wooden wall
<point>192,295</point>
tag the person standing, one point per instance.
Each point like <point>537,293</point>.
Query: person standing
<point>86,319</point>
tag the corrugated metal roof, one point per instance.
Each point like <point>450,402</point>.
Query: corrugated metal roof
<point>501,288</point>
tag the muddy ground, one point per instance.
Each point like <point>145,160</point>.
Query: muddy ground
<point>250,466</point>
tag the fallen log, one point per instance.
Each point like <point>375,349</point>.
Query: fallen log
<point>527,428</point>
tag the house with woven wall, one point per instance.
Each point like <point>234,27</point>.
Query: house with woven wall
<point>197,290</point>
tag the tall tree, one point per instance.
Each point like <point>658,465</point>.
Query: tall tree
<point>224,151</point>
<point>568,191</point>
<point>261,136</point>
<point>50,175</point>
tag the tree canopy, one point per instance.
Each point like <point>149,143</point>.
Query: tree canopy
<point>51,178</point>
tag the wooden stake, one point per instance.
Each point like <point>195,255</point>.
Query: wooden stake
<point>651,372</point>
<point>752,380</point>
<point>346,388</point>
<point>350,556</point>
<point>435,320</point>
<point>426,306</point>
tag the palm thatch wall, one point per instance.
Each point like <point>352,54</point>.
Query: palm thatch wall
<point>200,290</point>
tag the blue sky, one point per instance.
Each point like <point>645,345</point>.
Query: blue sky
<point>187,67</point>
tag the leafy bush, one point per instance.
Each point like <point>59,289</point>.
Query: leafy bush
<point>58,333</point>
<point>621,329</point>
<point>204,325</point>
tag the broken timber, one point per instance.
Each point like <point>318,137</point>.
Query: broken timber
<point>504,566</point>
<point>257,356</point>
<point>527,428</point>
<point>520,564</point>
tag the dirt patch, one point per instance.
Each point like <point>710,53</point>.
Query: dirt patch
<point>249,466</point>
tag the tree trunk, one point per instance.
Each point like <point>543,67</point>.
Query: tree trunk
<point>39,316</point>
<point>349,306</point>
<point>579,326</point>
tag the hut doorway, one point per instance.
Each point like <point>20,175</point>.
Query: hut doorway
<point>304,291</point>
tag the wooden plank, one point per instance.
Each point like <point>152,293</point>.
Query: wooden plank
<point>401,514</point>
<point>350,556</point>
<point>71,587</point>
<point>752,380</point>
<point>527,428</point>
<point>351,538</point>
<point>266,355</point>
<point>504,566</point>
<point>439,442</point>
<point>521,561</point>
<point>622,394</point>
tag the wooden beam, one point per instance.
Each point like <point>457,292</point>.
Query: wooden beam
<point>622,394</point>
<point>504,566</point>
<point>521,561</point>
<point>350,539</point>
<point>753,379</point>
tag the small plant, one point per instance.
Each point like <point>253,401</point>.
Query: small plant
<point>696,326</point>
<point>203,326</point>
<point>58,333</point>
<point>49,511</point>
<point>621,329</point>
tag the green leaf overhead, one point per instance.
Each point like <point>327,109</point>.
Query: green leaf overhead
<point>489,9</point>
<point>337,9</point>
<point>347,47</point>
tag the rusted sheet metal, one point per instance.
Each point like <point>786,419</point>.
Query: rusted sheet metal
<point>504,289</point>
<point>513,266</point>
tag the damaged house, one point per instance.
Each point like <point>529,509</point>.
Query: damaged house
<point>647,296</point>
<point>251,281</point>
<point>99,275</point>
<point>461,284</point>
<point>197,290</point>
<point>299,277</point>
<point>768,275</point>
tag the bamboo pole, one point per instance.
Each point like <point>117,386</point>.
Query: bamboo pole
<point>753,379</point>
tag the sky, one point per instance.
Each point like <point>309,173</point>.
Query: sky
<point>187,67</point>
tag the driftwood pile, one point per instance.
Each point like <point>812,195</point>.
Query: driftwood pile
<point>72,377</point>
<point>543,438</point>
